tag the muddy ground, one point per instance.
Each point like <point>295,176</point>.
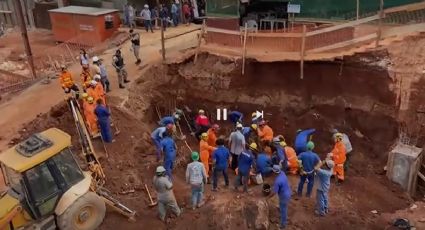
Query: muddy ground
<point>357,100</point>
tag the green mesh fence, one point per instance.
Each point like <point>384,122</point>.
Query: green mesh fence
<point>343,9</point>
<point>222,8</point>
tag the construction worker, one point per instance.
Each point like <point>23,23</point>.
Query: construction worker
<point>196,176</point>
<point>86,77</point>
<point>309,160</point>
<point>348,147</point>
<point>264,164</point>
<point>169,148</point>
<point>254,118</point>
<point>303,136</point>
<point>279,157</point>
<point>251,135</point>
<point>324,179</point>
<point>212,134</point>
<point>235,117</point>
<point>67,82</point>
<point>157,136</point>
<point>91,90</point>
<point>98,88</point>
<point>338,155</point>
<point>104,121</point>
<point>291,157</point>
<point>84,58</point>
<point>135,45</point>
<point>245,161</point>
<point>265,132</point>
<point>100,69</point>
<point>282,188</point>
<point>202,124</point>
<point>90,116</point>
<point>206,152</point>
<point>165,194</point>
<point>221,158</point>
<point>118,63</point>
<point>171,119</point>
<point>237,145</point>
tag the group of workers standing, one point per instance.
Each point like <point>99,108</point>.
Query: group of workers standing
<point>95,85</point>
<point>252,152</point>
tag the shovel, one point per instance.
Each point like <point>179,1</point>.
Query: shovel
<point>152,204</point>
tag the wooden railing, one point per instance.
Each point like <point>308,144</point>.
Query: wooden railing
<point>308,40</point>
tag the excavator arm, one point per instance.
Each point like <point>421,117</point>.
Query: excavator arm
<point>93,163</point>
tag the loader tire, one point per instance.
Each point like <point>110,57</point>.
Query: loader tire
<point>86,213</point>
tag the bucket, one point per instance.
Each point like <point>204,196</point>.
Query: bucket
<point>266,189</point>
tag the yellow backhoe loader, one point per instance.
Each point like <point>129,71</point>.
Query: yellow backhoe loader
<point>47,189</point>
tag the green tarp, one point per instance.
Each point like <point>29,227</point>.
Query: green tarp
<point>343,9</point>
<point>222,8</point>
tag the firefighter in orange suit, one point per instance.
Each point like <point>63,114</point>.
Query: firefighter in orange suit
<point>206,151</point>
<point>67,82</point>
<point>338,155</point>
<point>89,106</point>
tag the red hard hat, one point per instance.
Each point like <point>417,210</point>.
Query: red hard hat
<point>169,126</point>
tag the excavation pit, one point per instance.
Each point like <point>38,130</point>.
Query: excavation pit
<point>354,98</point>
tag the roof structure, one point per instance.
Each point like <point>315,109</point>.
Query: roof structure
<point>91,11</point>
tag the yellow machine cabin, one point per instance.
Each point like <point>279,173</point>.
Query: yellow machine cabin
<point>47,188</point>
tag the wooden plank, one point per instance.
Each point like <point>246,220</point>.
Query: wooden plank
<point>186,32</point>
<point>265,35</point>
<point>344,44</point>
<point>421,176</point>
<point>199,41</point>
<point>5,12</point>
<point>345,25</point>
<point>11,8</point>
<point>244,48</point>
<point>302,52</point>
<point>409,7</point>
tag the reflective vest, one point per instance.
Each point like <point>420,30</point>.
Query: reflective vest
<point>66,79</point>
<point>86,78</point>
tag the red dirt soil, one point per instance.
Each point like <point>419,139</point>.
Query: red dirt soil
<point>265,87</point>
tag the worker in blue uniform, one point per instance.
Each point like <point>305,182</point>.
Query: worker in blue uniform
<point>303,136</point>
<point>103,119</point>
<point>169,149</point>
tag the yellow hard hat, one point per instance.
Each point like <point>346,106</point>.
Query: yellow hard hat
<point>338,136</point>
<point>204,135</point>
<point>201,111</point>
<point>254,126</point>
<point>253,146</point>
<point>254,114</point>
<point>90,100</point>
<point>85,95</point>
<point>283,144</point>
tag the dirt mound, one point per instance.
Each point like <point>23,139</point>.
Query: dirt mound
<point>327,98</point>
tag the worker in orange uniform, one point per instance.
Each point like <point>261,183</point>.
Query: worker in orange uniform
<point>205,152</point>
<point>212,135</point>
<point>338,155</point>
<point>265,133</point>
<point>86,77</point>
<point>100,91</point>
<point>91,90</point>
<point>67,82</point>
<point>292,158</point>
<point>90,116</point>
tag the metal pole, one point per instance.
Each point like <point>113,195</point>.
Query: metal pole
<point>162,32</point>
<point>381,15</point>
<point>21,20</point>
<point>358,9</point>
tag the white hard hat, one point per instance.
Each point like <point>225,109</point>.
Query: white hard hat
<point>93,82</point>
<point>97,77</point>
<point>330,163</point>
<point>146,6</point>
<point>239,125</point>
<point>95,59</point>
<point>160,169</point>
